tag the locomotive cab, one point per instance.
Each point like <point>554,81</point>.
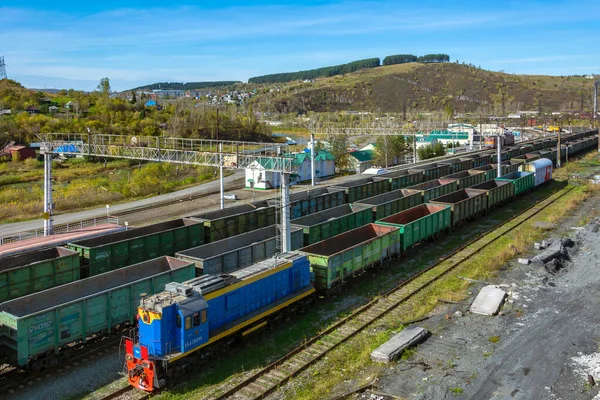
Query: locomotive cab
<point>168,326</point>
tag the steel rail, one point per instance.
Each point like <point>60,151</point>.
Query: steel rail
<point>265,381</point>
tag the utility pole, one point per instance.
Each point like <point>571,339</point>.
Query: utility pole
<point>558,152</point>
<point>480,133</point>
<point>221,184</point>
<point>312,159</point>
<point>499,155</point>
<point>596,110</point>
<point>286,238</point>
<point>48,205</point>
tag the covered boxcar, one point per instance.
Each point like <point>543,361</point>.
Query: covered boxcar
<point>36,327</point>
<point>392,202</point>
<point>236,220</point>
<point>523,181</point>
<point>541,169</point>
<point>419,223</point>
<point>328,223</point>
<point>466,204</point>
<point>28,273</point>
<point>231,254</point>
<point>337,259</point>
<point>435,188</point>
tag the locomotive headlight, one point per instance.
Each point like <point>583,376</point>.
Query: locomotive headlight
<point>146,364</point>
<point>129,357</point>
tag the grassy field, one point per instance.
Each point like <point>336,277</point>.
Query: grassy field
<point>350,362</point>
<point>82,184</point>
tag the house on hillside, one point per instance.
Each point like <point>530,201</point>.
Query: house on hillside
<point>324,165</point>
<point>361,160</point>
<point>33,110</point>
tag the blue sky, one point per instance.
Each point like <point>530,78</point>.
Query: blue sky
<point>70,44</point>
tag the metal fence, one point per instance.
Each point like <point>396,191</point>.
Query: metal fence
<point>59,229</point>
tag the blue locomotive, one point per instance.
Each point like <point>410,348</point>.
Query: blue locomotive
<point>178,326</point>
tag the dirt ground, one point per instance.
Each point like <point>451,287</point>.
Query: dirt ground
<point>545,344</point>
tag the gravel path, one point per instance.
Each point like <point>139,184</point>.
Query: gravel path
<point>543,346</point>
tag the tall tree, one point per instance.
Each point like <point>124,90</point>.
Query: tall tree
<point>339,150</point>
<point>104,86</point>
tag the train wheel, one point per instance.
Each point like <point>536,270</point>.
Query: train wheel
<point>35,365</point>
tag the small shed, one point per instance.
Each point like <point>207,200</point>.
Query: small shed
<point>17,152</point>
<point>361,160</point>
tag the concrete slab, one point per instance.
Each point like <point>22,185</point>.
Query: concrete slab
<point>488,301</point>
<point>391,349</point>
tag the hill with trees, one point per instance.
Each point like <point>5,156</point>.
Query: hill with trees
<point>74,111</point>
<point>412,87</point>
<point>186,85</point>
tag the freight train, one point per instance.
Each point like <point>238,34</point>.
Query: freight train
<point>180,327</point>
<point>227,240</point>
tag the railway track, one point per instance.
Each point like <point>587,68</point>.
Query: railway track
<point>16,378</point>
<point>263,382</point>
<point>128,393</point>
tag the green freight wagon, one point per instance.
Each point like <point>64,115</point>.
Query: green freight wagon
<point>419,223</point>
<point>392,202</point>
<point>28,273</point>
<point>479,160</point>
<point>512,152</point>
<point>465,204</point>
<point>538,145</point>
<point>525,158</point>
<point>337,259</point>
<point>467,179</point>
<point>328,223</point>
<point>522,181</point>
<point>435,188</point>
<point>43,323</point>
<point>239,251</point>
<point>221,224</point>
<point>546,153</point>
<point>527,148</point>
<point>118,250</point>
<point>488,170</point>
<point>311,201</point>
<point>432,171</point>
<point>498,192</point>
<point>458,164</point>
<point>362,188</point>
<point>401,179</point>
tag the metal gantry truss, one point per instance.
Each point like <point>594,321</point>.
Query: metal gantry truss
<point>375,128</point>
<point>212,153</point>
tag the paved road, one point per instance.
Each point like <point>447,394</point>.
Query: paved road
<point>208,187</point>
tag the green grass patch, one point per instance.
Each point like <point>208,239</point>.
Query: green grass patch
<point>81,184</point>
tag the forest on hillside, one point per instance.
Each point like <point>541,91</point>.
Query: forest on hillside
<point>74,111</point>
